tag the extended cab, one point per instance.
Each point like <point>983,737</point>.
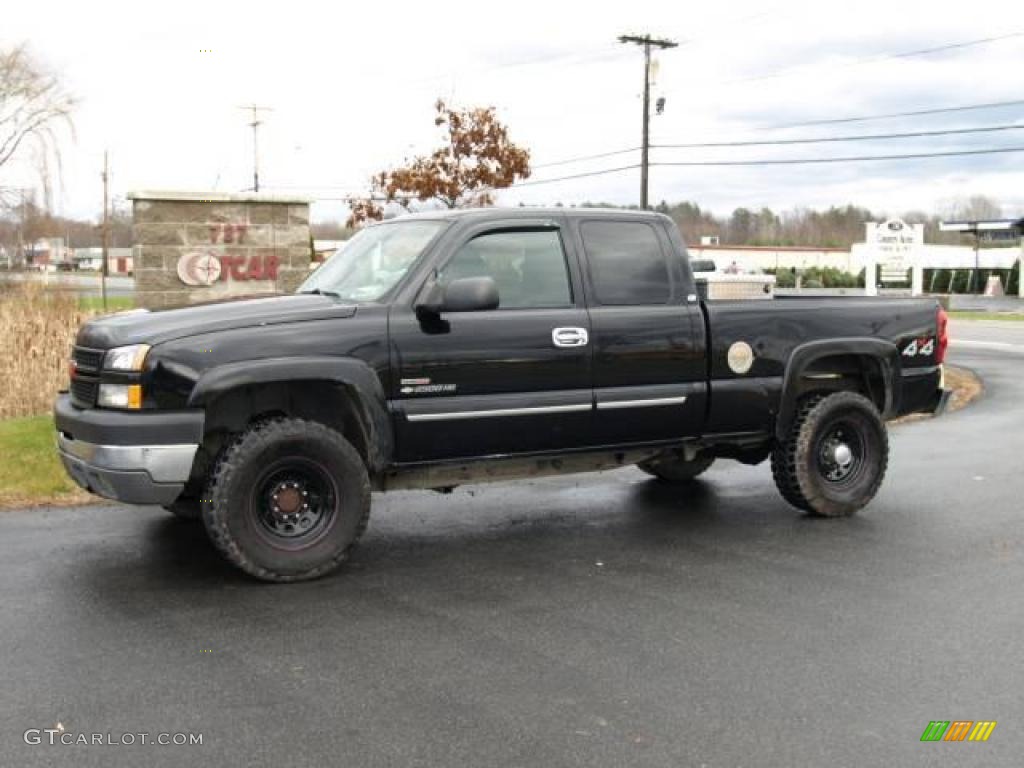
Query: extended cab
<point>439,349</point>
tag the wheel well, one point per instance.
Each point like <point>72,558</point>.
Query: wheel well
<point>863,374</point>
<point>329,403</point>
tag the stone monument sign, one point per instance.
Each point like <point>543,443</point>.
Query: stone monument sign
<point>200,246</point>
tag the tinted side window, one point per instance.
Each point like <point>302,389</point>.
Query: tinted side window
<point>627,265</point>
<point>528,267</point>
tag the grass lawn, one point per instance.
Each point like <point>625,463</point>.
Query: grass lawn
<point>30,472</point>
<point>1006,316</point>
<point>114,303</point>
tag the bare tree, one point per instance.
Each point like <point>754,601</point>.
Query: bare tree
<point>973,208</point>
<point>33,104</point>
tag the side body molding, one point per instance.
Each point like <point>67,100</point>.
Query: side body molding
<point>885,353</point>
<point>359,380</point>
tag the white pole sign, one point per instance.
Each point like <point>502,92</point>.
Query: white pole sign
<point>896,245</point>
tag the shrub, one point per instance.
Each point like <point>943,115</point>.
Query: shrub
<point>784,277</point>
<point>957,281</point>
<point>818,277</point>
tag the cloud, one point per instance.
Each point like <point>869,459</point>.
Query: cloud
<point>352,88</point>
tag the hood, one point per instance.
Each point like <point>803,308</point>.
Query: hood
<point>141,326</point>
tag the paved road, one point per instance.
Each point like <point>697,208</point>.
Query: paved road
<point>996,335</point>
<point>595,620</point>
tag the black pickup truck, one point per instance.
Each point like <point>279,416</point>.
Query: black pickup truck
<point>440,349</point>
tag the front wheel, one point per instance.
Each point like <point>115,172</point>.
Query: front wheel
<point>835,456</point>
<point>287,501</point>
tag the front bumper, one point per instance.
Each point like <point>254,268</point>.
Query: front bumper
<point>134,457</point>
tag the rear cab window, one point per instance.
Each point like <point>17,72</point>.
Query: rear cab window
<point>626,263</point>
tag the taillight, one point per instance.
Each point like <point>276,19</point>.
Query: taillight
<point>942,334</point>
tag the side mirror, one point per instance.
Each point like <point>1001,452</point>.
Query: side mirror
<point>467,294</point>
<point>470,294</point>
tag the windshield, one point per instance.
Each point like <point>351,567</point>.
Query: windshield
<point>373,261</point>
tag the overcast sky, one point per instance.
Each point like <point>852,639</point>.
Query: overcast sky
<point>351,86</point>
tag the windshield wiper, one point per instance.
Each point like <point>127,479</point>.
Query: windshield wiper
<point>322,292</point>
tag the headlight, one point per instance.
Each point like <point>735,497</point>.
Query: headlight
<point>126,358</point>
<point>120,396</point>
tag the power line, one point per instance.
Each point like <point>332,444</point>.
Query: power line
<point>754,143</point>
<point>598,54</point>
<point>859,137</point>
<point>581,158</point>
<point>566,59</point>
<point>884,57</point>
<point>948,47</point>
<point>916,113</point>
<point>707,163</point>
<point>798,161</point>
<point>529,183</point>
<point>854,159</point>
<point>577,176</point>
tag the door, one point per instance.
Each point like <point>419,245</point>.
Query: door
<point>647,333</point>
<point>515,379</point>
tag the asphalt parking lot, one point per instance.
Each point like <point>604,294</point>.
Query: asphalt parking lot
<point>590,620</point>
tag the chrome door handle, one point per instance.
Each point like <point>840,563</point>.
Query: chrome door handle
<point>570,337</point>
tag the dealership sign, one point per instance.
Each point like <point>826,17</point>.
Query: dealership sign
<point>896,246</point>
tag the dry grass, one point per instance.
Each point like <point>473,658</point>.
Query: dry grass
<point>37,329</point>
<point>965,385</point>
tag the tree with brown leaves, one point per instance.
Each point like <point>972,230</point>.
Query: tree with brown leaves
<point>477,158</point>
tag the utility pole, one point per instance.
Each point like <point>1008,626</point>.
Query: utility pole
<point>21,230</point>
<point>106,231</point>
<point>647,42</point>
<point>255,125</point>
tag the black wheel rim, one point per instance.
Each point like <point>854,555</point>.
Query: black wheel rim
<point>294,503</point>
<point>841,453</point>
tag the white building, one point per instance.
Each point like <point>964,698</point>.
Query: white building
<point>754,258</point>
<point>119,260</point>
<point>918,254</point>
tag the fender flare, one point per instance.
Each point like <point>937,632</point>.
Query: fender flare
<point>885,353</point>
<point>361,382</point>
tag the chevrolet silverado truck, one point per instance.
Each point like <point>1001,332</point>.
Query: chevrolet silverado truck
<point>458,347</point>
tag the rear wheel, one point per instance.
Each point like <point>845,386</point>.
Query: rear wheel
<point>835,457</point>
<point>676,469</point>
<point>288,501</point>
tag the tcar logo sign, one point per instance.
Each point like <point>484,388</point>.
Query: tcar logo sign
<point>202,268</point>
<point>198,268</point>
